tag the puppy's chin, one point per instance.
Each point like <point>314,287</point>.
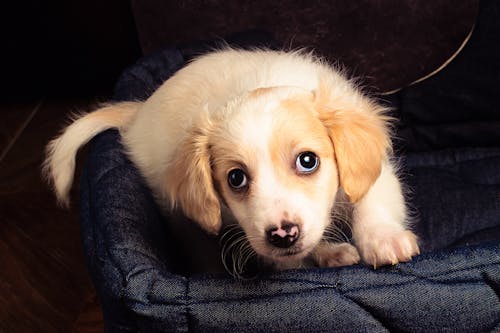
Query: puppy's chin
<point>291,260</point>
<point>285,258</point>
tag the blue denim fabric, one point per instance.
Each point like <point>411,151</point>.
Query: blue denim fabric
<point>144,284</point>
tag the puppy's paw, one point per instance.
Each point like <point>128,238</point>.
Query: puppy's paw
<point>335,255</point>
<point>387,247</point>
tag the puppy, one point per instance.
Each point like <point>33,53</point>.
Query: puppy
<point>276,142</point>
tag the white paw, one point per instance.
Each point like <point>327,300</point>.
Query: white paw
<point>335,255</point>
<point>387,247</point>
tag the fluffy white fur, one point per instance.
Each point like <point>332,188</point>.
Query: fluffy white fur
<point>257,111</point>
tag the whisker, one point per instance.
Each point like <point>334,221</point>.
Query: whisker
<point>245,255</point>
<point>335,233</point>
<point>236,251</point>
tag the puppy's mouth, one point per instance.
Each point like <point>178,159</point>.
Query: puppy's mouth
<point>291,254</point>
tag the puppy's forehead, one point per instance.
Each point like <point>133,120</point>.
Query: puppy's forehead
<point>271,114</point>
<point>268,121</point>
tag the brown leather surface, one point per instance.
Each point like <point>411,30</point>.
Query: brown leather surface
<point>387,44</point>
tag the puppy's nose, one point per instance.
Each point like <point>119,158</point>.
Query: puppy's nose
<point>285,236</point>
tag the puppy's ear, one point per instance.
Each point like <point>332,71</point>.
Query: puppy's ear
<point>189,184</point>
<point>359,131</point>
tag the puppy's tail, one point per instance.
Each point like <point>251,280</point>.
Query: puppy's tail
<point>59,165</point>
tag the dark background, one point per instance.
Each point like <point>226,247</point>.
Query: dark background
<point>66,48</point>
<point>78,48</point>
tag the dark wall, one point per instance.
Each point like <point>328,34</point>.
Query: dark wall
<point>61,48</point>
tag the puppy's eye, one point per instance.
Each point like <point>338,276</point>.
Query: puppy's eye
<point>307,162</point>
<point>237,179</point>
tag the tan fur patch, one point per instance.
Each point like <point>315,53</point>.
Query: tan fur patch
<point>188,183</point>
<point>360,135</point>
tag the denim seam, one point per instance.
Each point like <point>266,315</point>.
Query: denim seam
<point>491,283</point>
<point>103,175</point>
<point>150,287</point>
<point>261,297</point>
<point>148,90</point>
<point>370,313</point>
<point>338,285</point>
<point>145,254</point>
<point>340,292</point>
<point>416,280</point>
<point>413,273</point>
<point>398,272</point>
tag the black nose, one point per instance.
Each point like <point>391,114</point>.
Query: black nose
<point>285,236</point>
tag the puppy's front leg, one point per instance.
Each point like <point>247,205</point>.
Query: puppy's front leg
<point>379,223</point>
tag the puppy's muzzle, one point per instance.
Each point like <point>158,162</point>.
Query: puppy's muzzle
<point>284,236</point>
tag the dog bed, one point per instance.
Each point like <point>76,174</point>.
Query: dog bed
<point>449,140</point>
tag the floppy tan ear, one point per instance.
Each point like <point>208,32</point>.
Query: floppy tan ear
<point>359,131</point>
<point>189,183</point>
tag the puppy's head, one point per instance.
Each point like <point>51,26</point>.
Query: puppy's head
<point>276,158</point>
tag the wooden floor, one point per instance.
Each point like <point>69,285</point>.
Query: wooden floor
<point>44,285</point>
